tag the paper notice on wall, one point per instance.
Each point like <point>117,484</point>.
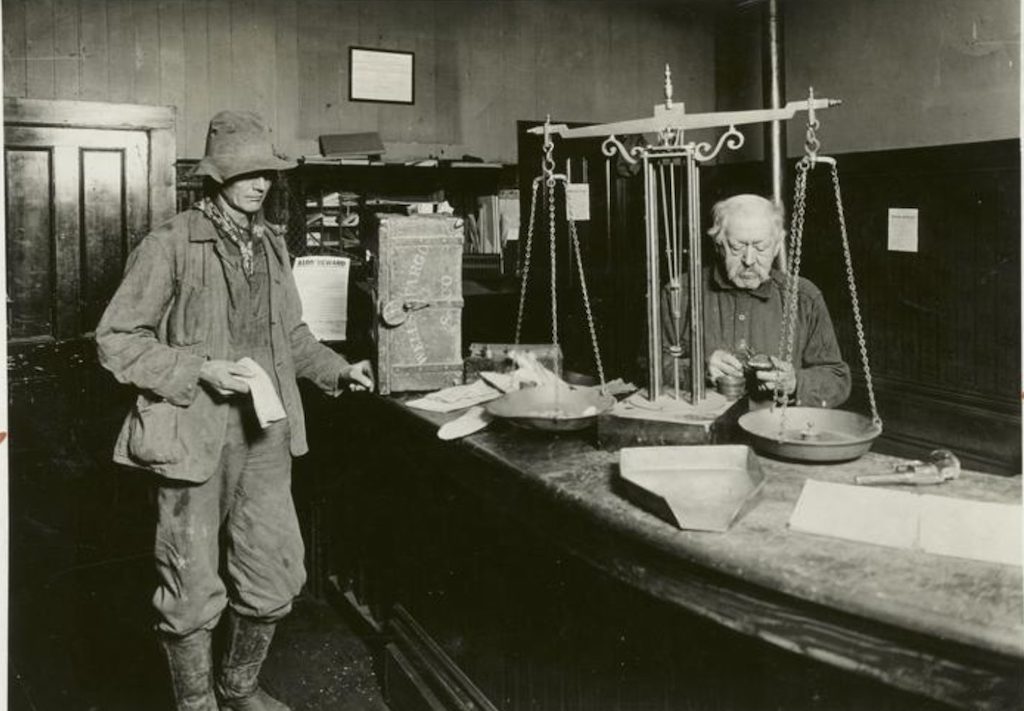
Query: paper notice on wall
<point>578,197</point>
<point>902,229</point>
<point>323,289</point>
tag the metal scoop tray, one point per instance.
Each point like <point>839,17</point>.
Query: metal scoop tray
<point>702,488</point>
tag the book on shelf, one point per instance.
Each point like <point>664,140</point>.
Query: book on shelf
<point>489,224</point>
<point>342,160</point>
<point>508,209</point>
<point>469,164</point>
<point>357,145</point>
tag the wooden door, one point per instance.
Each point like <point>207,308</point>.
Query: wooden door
<point>85,181</point>
<point>76,204</point>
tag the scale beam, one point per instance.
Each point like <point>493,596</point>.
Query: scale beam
<point>676,118</point>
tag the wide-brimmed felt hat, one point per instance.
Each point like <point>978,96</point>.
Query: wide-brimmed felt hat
<point>238,142</point>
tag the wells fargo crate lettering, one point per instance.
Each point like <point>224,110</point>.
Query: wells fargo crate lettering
<point>418,296</point>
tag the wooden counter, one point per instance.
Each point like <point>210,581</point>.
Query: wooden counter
<point>944,628</point>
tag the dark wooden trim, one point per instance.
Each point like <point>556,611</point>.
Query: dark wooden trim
<point>899,399</point>
<point>88,114</point>
<point>965,401</point>
<point>447,680</point>
<point>404,688</point>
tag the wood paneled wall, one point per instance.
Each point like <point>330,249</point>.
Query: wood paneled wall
<point>943,324</point>
<point>910,72</point>
<point>480,65</point>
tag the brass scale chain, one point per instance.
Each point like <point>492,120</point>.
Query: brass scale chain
<point>550,179</point>
<point>788,334</point>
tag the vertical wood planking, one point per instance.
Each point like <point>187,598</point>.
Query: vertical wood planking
<point>352,115</point>
<point>103,230</point>
<point>319,29</point>
<point>649,64</point>
<point>120,51</point>
<point>448,83</point>
<point>93,49</point>
<point>517,61</point>
<point>67,240</point>
<point>479,66</point>
<point>286,68</point>
<point>146,21</point>
<point>158,191</point>
<point>195,114</point>
<point>67,65</point>
<point>607,62</point>
<point>425,41</point>
<point>28,235</point>
<point>569,32</point>
<point>219,71</point>
<point>140,212</point>
<point>262,65</point>
<point>245,85</point>
<point>354,29</point>
<point>403,24</point>
<point>172,54</point>
<point>480,72</point>
<point>15,61</point>
<point>546,82</point>
<point>625,32</point>
<point>39,46</point>
<point>379,24</point>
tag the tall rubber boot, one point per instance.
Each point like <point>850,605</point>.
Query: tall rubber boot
<point>191,666</point>
<point>245,649</point>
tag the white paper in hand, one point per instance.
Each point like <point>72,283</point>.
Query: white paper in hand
<point>265,401</point>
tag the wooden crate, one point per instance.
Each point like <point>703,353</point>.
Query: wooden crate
<point>418,301</point>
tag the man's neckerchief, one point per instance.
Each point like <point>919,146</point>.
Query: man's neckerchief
<point>239,236</point>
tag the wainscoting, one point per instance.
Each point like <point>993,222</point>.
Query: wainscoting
<point>942,324</point>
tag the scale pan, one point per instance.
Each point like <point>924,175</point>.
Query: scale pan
<point>551,409</point>
<point>812,434</point>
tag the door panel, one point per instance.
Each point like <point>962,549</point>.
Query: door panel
<point>29,261</point>
<point>105,242</point>
<point>79,202</point>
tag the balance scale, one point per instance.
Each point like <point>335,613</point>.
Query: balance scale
<point>687,413</point>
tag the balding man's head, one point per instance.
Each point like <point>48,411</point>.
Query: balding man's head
<point>748,231</point>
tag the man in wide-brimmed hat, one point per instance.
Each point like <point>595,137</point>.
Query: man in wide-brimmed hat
<point>208,326</point>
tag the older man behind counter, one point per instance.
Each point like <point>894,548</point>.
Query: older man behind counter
<point>743,312</point>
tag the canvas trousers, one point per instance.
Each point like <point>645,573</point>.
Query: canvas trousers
<point>233,539</point>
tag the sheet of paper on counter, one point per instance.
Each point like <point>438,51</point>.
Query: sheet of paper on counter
<point>456,397</point>
<point>668,409</point>
<point>322,282</point>
<point>943,525</point>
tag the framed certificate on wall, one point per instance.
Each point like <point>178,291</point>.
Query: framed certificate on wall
<point>381,75</point>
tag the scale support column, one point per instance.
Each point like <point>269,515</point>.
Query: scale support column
<point>653,283</point>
